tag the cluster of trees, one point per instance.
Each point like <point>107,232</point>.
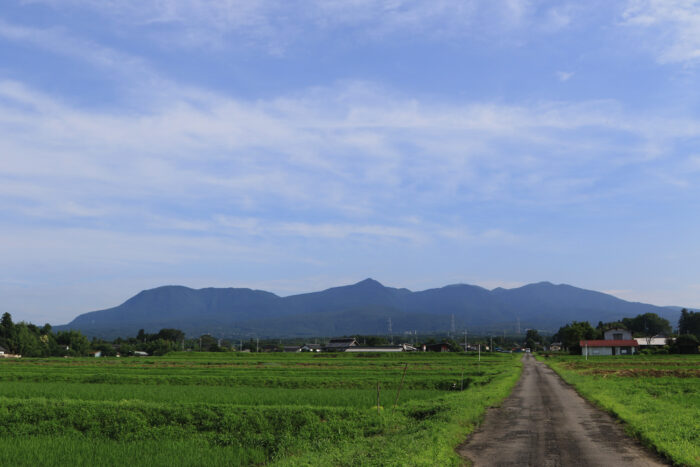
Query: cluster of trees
<point>645,325</point>
<point>33,341</point>
<point>29,340</point>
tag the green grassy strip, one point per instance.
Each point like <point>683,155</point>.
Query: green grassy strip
<point>663,413</point>
<point>422,433</point>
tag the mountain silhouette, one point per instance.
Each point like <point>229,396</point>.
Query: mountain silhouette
<point>364,308</point>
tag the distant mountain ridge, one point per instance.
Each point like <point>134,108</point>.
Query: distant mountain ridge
<point>364,307</point>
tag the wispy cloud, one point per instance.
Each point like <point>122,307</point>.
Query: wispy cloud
<point>673,27</point>
<point>564,75</point>
<point>276,24</point>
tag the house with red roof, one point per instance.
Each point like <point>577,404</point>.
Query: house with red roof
<point>617,341</point>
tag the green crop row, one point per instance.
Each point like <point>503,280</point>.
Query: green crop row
<point>211,394</point>
<point>301,410</point>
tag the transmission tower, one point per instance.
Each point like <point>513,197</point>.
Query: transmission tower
<point>391,334</point>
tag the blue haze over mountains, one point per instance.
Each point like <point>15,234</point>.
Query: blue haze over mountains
<point>361,308</point>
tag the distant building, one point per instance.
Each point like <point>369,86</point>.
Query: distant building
<point>292,348</point>
<point>340,344</point>
<point>140,353</point>
<point>617,341</point>
<point>651,342</point>
<point>97,354</point>
<point>442,347</point>
<point>555,347</point>
<point>311,348</point>
<point>4,353</point>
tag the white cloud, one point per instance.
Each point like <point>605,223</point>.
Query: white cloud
<point>276,23</point>
<point>347,150</point>
<point>564,75</point>
<point>673,27</point>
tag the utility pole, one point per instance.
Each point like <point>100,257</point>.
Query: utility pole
<point>391,333</point>
<point>466,344</point>
<point>257,342</point>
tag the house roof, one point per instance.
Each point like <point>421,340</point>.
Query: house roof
<point>610,343</point>
<point>3,349</point>
<point>341,343</point>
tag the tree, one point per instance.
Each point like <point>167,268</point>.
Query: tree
<point>686,343</point>
<point>172,335</point>
<point>26,341</point>
<point>689,323</point>
<point>77,343</point>
<point>648,324</point>
<point>533,340</point>
<point>572,334</point>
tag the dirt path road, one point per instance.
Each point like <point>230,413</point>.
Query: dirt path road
<point>545,423</point>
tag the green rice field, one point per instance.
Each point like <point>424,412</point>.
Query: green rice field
<point>657,396</point>
<point>246,408</point>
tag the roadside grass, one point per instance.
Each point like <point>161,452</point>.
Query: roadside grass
<point>246,409</point>
<point>658,397</point>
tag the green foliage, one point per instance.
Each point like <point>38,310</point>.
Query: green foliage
<point>686,344</point>
<point>658,396</point>
<point>572,334</point>
<point>647,324</point>
<point>245,409</point>
<point>689,323</point>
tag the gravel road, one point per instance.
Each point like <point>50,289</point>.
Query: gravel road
<point>544,422</point>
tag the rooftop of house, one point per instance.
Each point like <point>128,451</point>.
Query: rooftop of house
<point>610,343</point>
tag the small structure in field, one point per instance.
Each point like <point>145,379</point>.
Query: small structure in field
<point>140,353</point>
<point>4,353</point>
<point>97,354</point>
<point>442,347</point>
<point>311,348</point>
<point>555,347</point>
<point>292,348</point>
<point>340,344</point>
<point>617,341</point>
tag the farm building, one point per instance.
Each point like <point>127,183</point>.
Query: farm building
<point>340,345</point>
<point>555,347</point>
<point>617,342</point>
<point>443,347</point>
<point>140,353</point>
<point>292,348</point>
<point>651,342</point>
<point>311,348</point>
<point>4,353</point>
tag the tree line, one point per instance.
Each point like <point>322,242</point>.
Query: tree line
<point>30,340</point>
<point>686,340</point>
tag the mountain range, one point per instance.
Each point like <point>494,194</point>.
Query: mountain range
<point>366,307</point>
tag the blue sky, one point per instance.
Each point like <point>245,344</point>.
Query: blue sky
<point>296,145</point>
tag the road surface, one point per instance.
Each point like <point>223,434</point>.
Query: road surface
<point>544,422</point>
